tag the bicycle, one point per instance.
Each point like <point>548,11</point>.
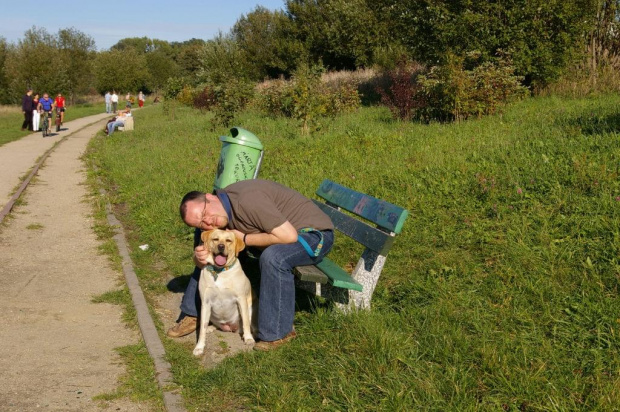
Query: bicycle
<point>45,127</point>
<point>58,119</point>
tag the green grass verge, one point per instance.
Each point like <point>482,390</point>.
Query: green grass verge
<point>501,293</point>
<point>139,382</point>
<point>11,121</point>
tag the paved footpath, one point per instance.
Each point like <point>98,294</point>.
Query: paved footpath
<point>57,348</point>
<point>19,156</point>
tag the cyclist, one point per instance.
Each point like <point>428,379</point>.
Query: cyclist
<point>59,103</point>
<point>46,106</point>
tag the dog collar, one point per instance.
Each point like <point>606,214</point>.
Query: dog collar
<point>215,271</point>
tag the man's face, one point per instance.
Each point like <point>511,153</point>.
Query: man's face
<point>203,215</point>
<point>45,96</point>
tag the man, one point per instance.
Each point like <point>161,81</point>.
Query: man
<point>268,216</point>
<point>118,120</point>
<point>46,106</point>
<point>59,103</point>
<point>27,110</point>
<point>108,102</point>
<point>114,100</point>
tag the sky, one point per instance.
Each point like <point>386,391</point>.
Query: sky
<point>108,22</point>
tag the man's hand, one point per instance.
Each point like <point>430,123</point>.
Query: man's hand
<point>200,256</point>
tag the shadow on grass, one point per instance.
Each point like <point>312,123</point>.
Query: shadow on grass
<point>304,302</point>
<point>593,125</point>
<point>179,284</point>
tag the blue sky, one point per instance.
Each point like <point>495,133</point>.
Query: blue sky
<point>109,21</point>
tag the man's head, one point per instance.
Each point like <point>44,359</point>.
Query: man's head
<point>203,210</point>
<point>45,96</point>
<point>59,95</point>
<point>29,92</point>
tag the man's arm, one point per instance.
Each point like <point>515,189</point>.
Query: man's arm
<point>285,233</point>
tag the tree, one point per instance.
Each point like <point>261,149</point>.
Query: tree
<point>35,63</point>
<point>542,36</point>
<point>343,34</point>
<point>5,95</point>
<point>188,57</point>
<point>161,68</point>
<point>266,42</point>
<point>123,71</point>
<point>143,45</point>
<point>221,57</point>
<point>77,51</point>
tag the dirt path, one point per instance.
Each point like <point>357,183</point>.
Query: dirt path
<point>57,348</point>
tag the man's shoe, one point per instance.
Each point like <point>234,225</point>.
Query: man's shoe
<point>184,327</point>
<point>265,346</point>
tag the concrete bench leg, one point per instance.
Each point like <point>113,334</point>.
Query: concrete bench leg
<point>366,272</point>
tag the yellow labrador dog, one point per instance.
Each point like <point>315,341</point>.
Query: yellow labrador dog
<point>224,289</point>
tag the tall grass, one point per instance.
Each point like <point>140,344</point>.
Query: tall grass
<point>500,294</point>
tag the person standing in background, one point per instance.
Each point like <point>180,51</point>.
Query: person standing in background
<point>27,110</point>
<point>140,99</point>
<point>36,116</point>
<point>128,99</point>
<point>114,100</point>
<point>108,102</point>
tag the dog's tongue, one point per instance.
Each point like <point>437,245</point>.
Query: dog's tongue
<point>220,260</point>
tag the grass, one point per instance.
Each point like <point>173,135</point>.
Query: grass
<point>501,293</point>
<point>11,119</point>
<point>139,383</point>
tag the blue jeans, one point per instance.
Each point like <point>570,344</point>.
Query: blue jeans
<point>113,125</point>
<point>276,304</point>
<point>108,107</point>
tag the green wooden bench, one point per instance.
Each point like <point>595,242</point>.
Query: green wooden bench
<point>386,220</point>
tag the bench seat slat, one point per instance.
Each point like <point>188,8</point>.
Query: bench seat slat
<point>359,231</point>
<point>380,212</point>
<point>327,272</point>
<point>311,273</point>
<point>337,276</point>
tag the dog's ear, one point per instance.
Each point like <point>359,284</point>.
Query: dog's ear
<point>239,245</point>
<point>204,236</point>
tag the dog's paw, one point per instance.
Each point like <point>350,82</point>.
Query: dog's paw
<point>249,341</point>
<point>198,351</point>
<point>210,328</point>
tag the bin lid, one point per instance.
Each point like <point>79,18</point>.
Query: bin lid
<point>242,137</point>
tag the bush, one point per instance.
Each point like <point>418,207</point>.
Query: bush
<point>231,96</point>
<point>450,92</point>
<point>205,99</point>
<point>402,92</point>
<point>186,96</point>
<point>454,93</point>
<point>306,98</point>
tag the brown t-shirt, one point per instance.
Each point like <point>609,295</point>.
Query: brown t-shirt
<point>262,205</point>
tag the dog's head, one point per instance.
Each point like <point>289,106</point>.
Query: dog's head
<point>222,246</point>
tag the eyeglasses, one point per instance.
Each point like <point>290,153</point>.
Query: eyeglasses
<point>204,215</point>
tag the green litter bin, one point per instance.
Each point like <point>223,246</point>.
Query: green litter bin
<point>240,158</point>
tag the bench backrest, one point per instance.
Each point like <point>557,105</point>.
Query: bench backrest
<point>389,218</point>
